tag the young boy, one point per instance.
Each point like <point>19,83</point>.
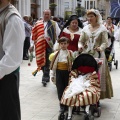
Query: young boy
<point>61,63</point>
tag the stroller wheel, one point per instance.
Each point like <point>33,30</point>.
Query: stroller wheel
<point>66,116</point>
<point>88,117</point>
<point>116,64</point>
<point>110,66</point>
<point>98,111</point>
<point>61,116</point>
<point>92,110</point>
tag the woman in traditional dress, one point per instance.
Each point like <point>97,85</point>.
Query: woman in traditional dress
<point>94,38</point>
<point>72,30</point>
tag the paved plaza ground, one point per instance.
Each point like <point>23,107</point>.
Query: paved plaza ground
<point>41,103</point>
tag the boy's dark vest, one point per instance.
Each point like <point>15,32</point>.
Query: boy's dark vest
<point>4,16</point>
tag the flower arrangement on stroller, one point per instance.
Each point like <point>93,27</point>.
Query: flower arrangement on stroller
<point>83,89</point>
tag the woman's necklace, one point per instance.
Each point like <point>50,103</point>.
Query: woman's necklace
<point>94,27</point>
<point>73,30</point>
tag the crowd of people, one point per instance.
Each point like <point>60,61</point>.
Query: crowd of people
<point>56,44</point>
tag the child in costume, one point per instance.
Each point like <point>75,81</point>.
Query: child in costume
<point>61,63</point>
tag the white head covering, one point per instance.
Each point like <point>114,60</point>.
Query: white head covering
<point>99,20</point>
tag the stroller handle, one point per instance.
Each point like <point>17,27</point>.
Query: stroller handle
<point>99,54</point>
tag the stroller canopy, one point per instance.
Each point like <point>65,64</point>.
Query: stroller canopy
<point>85,63</point>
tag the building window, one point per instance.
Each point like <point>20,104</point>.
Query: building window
<point>66,4</point>
<point>33,1</point>
<point>94,5</point>
<point>91,4</point>
<point>34,7</point>
<point>87,4</point>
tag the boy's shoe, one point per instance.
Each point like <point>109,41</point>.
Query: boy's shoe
<point>25,58</point>
<point>61,110</point>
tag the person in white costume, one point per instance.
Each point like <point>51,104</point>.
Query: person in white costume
<point>12,35</point>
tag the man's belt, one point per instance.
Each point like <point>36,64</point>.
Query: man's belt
<point>17,70</point>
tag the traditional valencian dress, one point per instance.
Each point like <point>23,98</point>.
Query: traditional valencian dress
<point>73,37</point>
<point>90,40</point>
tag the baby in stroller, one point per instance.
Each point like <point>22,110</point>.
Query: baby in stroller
<point>84,87</point>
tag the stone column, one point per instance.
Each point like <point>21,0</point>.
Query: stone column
<point>39,10</point>
<point>20,9</point>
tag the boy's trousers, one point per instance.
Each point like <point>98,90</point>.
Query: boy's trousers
<point>62,78</point>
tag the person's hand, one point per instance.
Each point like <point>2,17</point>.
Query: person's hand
<point>80,49</point>
<point>53,80</point>
<point>31,49</point>
<point>97,49</point>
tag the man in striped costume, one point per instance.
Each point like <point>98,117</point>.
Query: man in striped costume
<point>44,34</point>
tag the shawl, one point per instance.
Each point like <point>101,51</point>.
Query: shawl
<point>53,65</point>
<point>40,43</point>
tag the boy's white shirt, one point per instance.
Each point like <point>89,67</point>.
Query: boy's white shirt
<point>62,57</point>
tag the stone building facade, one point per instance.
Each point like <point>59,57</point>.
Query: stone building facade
<point>35,8</point>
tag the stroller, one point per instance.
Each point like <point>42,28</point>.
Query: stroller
<point>110,54</point>
<point>83,92</point>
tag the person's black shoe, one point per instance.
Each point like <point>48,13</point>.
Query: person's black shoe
<point>61,110</point>
<point>48,80</point>
<point>44,83</point>
<point>25,58</point>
